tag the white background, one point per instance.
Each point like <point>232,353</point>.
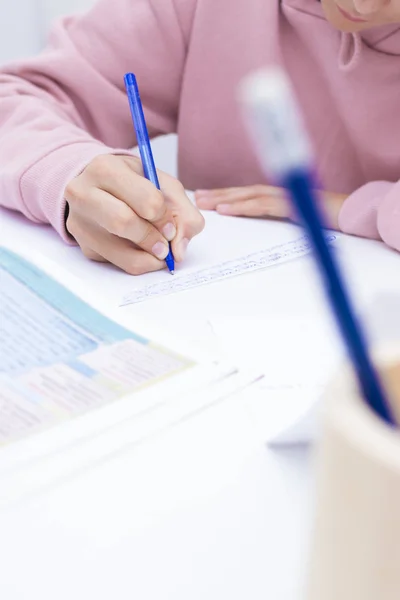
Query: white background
<point>23,23</point>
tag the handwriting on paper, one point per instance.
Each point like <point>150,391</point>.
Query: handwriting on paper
<point>253,262</point>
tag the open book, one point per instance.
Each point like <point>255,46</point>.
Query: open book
<point>77,385</point>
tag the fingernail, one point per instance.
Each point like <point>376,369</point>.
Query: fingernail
<point>169,231</point>
<point>224,209</point>
<point>160,250</point>
<point>183,244</point>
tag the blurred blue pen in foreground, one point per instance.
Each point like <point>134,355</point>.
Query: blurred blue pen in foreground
<point>142,137</point>
<point>284,152</point>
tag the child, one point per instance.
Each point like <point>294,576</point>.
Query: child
<point>65,126</point>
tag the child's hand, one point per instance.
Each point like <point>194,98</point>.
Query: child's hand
<point>262,201</point>
<point>117,216</point>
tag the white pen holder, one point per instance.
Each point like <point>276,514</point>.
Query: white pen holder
<point>355,551</point>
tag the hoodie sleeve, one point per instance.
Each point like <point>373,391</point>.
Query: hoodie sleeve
<point>373,211</point>
<point>61,109</point>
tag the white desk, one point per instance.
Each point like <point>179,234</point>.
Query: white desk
<point>202,511</point>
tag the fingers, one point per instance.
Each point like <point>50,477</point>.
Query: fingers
<point>112,200</point>
<point>263,201</point>
<point>101,246</point>
<point>92,255</point>
<point>122,178</point>
<point>248,201</point>
<point>274,208</point>
<point>188,219</point>
<point>209,199</point>
<point>119,219</point>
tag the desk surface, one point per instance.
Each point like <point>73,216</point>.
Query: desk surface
<point>204,510</point>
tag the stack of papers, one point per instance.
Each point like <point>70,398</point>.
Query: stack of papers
<point>86,376</point>
<point>77,385</point>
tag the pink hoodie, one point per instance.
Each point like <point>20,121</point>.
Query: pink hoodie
<point>61,109</point>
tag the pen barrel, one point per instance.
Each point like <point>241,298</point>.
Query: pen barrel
<point>141,131</point>
<point>355,553</point>
<point>299,184</point>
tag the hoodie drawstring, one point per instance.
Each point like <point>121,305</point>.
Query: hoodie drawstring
<point>350,51</point>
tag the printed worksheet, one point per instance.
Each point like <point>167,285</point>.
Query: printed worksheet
<point>59,357</point>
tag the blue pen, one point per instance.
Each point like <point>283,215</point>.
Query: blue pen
<point>285,154</point>
<point>142,136</point>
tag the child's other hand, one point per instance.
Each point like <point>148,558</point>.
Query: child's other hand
<point>262,201</point>
<point>117,216</point>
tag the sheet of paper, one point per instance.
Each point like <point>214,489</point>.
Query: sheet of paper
<point>227,248</point>
<point>59,357</point>
<point>371,267</point>
<point>381,321</point>
<point>224,240</point>
<point>286,415</point>
<point>297,357</point>
<point>382,318</point>
<point>29,478</point>
<point>270,256</point>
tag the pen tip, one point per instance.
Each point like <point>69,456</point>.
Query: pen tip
<point>172,272</point>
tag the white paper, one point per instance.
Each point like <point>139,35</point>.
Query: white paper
<point>297,357</point>
<point>382,318</point>
<point>28,477</point>
<point>228,247</point>
<point>286,415</point>
<point>224,239</point>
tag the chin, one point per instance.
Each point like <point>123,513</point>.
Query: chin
<point>347,26</point>
<point>339,22</point>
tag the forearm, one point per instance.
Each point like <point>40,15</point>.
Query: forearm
<point>63,108</point>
